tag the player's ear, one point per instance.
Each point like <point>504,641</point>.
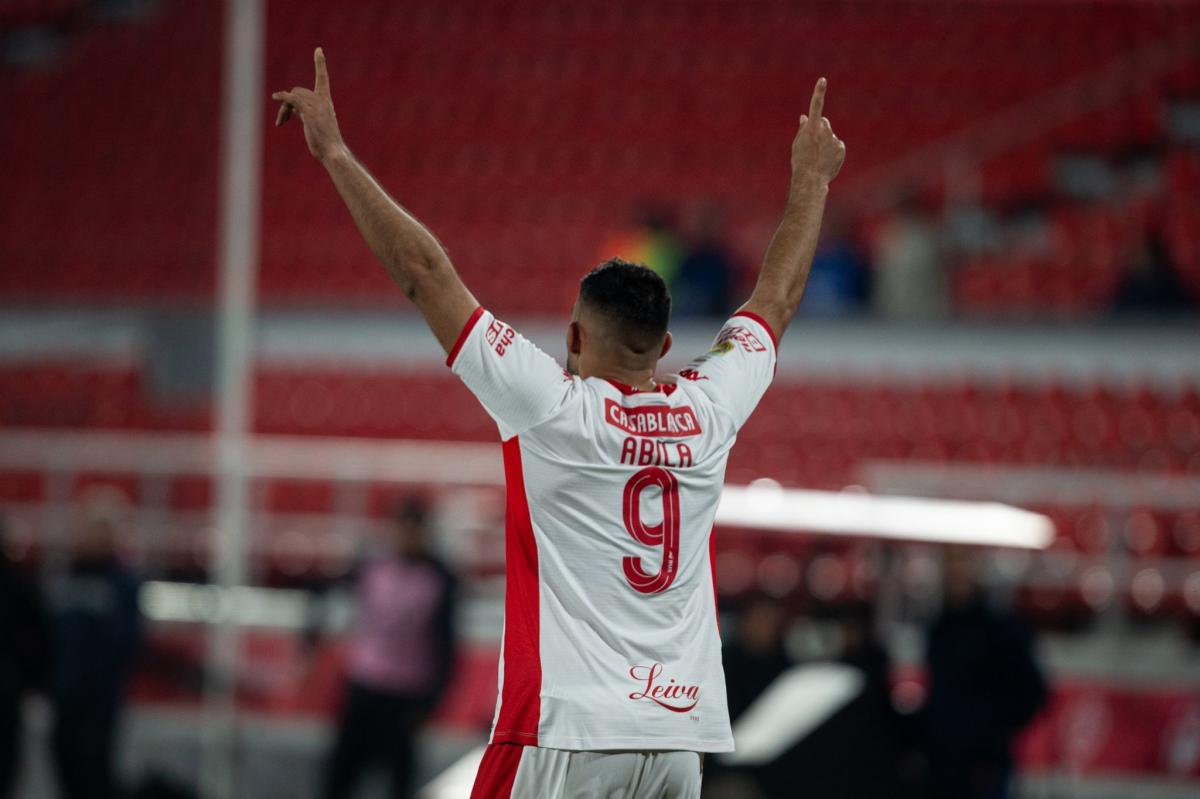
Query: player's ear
<point>574,338</point>
<point>666,347</point>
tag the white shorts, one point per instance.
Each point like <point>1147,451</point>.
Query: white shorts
<point>512,771</point>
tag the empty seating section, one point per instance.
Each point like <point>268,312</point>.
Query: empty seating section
<point>110,166</point>
<point>78,394</point>
<point>811,433</point>
<point>1077,265</point>
<point>525,132</point>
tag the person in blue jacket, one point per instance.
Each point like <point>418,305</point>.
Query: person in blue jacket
<point>97,630</point>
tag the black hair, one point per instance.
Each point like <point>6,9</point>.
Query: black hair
<point>632,295</point>
<point>411,510</point>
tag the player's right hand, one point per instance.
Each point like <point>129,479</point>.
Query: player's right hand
<point>817,154</point>
<point>315,107</point>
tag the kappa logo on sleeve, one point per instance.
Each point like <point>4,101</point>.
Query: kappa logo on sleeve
<point>743,337</point>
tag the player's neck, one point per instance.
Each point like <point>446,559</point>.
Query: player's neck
<point>641,379</point>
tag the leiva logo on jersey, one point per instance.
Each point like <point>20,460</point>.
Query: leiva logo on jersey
<point>668,693</point>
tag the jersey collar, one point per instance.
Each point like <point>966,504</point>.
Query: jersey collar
<point>659,388</point>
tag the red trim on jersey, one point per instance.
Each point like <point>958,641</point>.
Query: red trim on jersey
<point>712,565</point>
<point>497,771</point>
<point>763,322</point>
<point>521,683</point>
<point>462,337</point>
<point>664,388</point>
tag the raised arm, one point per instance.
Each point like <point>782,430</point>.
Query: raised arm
<point>411,254</point>
<point>817,156</point>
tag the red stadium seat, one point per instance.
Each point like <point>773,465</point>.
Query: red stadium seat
<point>528,157</point>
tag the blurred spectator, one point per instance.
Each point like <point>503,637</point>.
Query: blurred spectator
<point>401,657</point>
<point>984,687</point>
<point>97,631</point>
<point>705,280</point>
<point>856,751</point>
<point>24,658</point>
<point>838,282</point>
<point>648,240</point>
<point>870,724</point>
<point>755,657</point>
<point>1150,284</point>
<point>910,278</point>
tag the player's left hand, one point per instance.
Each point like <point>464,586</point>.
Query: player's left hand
<point>817,154</point>
<point>315,107</point>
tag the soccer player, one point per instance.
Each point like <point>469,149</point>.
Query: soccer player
<point>610,670</point>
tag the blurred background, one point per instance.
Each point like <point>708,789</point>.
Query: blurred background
<point>235,474</point>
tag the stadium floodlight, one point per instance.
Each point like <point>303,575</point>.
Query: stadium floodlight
<point>764,505</point>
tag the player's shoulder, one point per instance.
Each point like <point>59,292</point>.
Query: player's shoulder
<point>688,388</point>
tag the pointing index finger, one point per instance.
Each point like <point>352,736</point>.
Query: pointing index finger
<point>322,82</point>
<point>817,105</point>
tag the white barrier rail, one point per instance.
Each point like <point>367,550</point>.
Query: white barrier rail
<point>764,505</point>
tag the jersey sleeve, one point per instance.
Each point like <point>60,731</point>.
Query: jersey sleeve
<point>519,385</point>
<point>736,371</point>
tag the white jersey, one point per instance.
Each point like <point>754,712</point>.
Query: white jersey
<point>610,621</point>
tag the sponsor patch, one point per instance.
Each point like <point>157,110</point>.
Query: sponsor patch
<point>500,336</point>
<point>666,692</point>
<point>652,420</point>
<point>743,337</point>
